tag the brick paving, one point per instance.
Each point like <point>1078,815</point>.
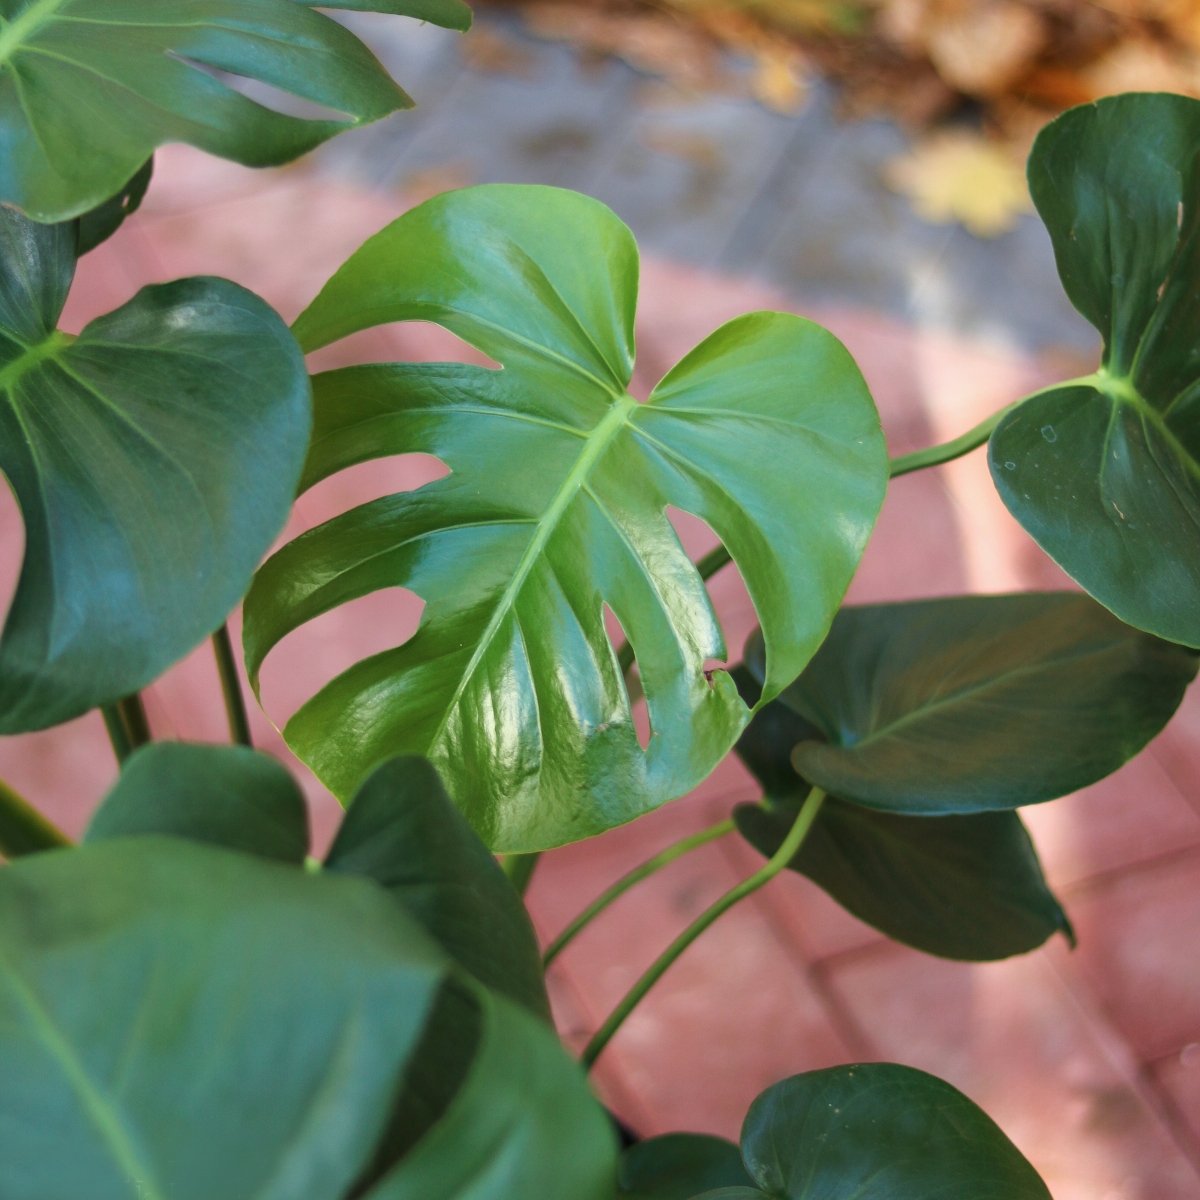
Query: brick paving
<point>1090,1060</point>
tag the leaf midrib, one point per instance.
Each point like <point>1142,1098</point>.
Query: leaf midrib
<point>101,1110</point>
<point>23,26</point>
<point>601,437</point>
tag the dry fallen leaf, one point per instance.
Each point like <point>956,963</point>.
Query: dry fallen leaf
<point>961,177</point>
<point>779,81</point>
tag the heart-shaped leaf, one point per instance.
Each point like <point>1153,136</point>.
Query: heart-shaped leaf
<point>89,88</point>
<point>1104,471</point>
<point>978,703</point>
<point>154,458</point>
<point>680,1166</point>
<point>556,507</point>
<point>965,887</point>
<point>402,831</point>
<point>180,1021</point>
<point>225,796</point>
<point>879,1132</point>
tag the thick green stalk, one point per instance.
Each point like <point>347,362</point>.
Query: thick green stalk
<point>137,724</point>
<point>622,885</point>
<point>519,868</point>
<point>23,830</point>
<point>934,456</point>
<point>231,688</point>
<point>118,735</point>
<point>772,867</point>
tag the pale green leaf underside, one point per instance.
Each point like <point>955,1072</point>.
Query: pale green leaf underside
<point>89,88</point>
<point>554,508</point>
<point>1104,471</point>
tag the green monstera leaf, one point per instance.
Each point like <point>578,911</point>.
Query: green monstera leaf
<point>877,1131</point>
<point>978,703</point>
<point>89,88</point>
<point>182,1022</point>
<point>154,458</point>
<point>554,508</point>
<point>1104,471</point>
<point>680,1166</point>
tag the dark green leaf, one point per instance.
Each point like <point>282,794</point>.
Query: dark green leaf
<point>402,831</point>
<point>981,702</point>
<point>89,88</point>
<point>966,887</point>
<point>102,222</point>
<point>879,1132</point>
<point>179,1023</point>
<point>554,508</point>
<point>226,796</point>
<point>1104,471</point>
<point>680,1166</point>
<point>154,458</point>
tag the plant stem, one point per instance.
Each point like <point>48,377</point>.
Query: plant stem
<point>137,725</point>
<point>117,733</point>
<point>519,868</point>
<point>23,830</point>
<point>776,863</point>
<point>934,456</point>
<point>231,688</point>
<point>622,885</point>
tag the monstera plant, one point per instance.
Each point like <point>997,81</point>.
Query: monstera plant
<point>190,1005</point>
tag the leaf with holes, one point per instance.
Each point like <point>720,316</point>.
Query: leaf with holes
<point>555,507</point>
<point>1104,471</point>
<point>978,703</point>
<point>181,1021</point>
<point>89,88</point>
<point>154,459</point>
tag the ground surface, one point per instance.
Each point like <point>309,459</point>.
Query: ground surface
<point>1089,1060</point>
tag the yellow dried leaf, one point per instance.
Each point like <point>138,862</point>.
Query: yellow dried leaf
<point>960,177</point>
<point>779,82</point>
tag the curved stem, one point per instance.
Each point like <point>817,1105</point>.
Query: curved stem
<point>776,863</point>
<point>934,456</point>
<point>231,688</point>
<point>622,885</point>
<point>23,830</point>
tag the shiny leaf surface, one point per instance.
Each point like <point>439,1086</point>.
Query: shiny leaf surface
<point>879,1132</point>
<point>979,703</point>
<point>154,459</point>
<point>1104,471</point>
<point>184,1022</point>
<point>226,796</point>
<point>555,507</point>
<point>402,831</point>
<point>89,88</point>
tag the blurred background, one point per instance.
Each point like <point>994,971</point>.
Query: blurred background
<point>859,162</point>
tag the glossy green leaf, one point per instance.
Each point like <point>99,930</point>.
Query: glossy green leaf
<point>225,796</point>
<point>1104,471</point>
<point>556,507</point>
<point>402,831</point>
<point>979,703</point>
<point>965,887</point>
<point>879,1132</point>
<point>101,222</point>
<point>179,1022</point>
<point>154,459</point>
<point>89,88</point>
<point>680,1166</point>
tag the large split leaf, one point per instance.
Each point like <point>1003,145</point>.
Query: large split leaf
<point>154,459</point>
<point>402,831</point>
<point>966,887</point>
<point>878,1132</point>
<point>556,507</point>
<point>180,1021</point>
<point>225,796</point>
<point>979,703</point>
<point>89,88</point>
<point>1104,471</point>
